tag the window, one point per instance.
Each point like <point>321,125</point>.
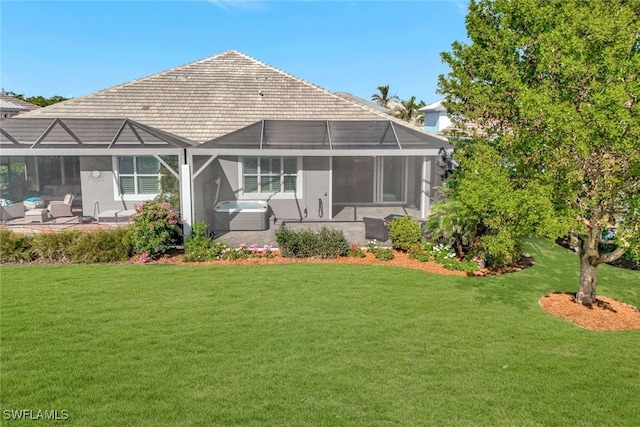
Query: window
<point>270,175</point>
<point>139,175</point>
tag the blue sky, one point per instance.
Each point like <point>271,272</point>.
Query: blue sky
<point>72,48</point>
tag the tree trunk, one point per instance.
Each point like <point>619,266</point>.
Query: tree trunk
<point>587,293</point>
<point>589,260</point>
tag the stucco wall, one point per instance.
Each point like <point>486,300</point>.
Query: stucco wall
<point>100,189</point>
<point>315,182</point>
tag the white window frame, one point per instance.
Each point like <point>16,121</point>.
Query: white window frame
<point>137,196</point>
<point>272,195</point>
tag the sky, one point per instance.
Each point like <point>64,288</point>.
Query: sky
<point>73,48</point>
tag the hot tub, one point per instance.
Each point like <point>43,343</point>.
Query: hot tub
<point>241,215</point>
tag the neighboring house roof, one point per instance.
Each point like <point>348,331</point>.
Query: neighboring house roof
<point>434,106</point>
<point>29,133</point>
<point>213,97</point>
<point>11,103</point>
<point>326,135</point>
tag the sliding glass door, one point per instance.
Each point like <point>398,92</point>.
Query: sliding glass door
<point>390,183</point>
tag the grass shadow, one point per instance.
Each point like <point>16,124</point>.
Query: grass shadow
<point>553,269</point>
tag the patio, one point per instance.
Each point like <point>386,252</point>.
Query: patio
<point>349,220</point>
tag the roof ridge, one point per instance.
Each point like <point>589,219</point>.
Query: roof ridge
<point>139,79</point>
<point>315,86</point>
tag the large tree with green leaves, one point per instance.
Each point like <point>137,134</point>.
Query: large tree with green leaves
<point>555,88</point>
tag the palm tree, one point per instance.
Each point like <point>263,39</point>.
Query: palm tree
<point>408,111</point>
<point>382,97</point>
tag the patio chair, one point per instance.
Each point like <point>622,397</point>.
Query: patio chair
<point>59,208</point>
<point>15,210</point>
<point>375,228</point>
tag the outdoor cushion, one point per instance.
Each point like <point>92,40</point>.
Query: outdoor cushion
<point>33,203</point>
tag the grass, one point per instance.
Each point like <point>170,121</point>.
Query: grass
<point>312,345</point>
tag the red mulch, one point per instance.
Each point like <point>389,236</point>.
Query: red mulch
<point>607,314</point>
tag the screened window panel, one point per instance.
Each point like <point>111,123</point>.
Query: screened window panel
<point>270,165</point>
<point>148,185</point>
<point>290,184</point>
<point>147,165</point>
<point>250,165</point>
<point>127,185</point>
<point>270,184</point>
<point>290,165</point>
<point>270,174</point>
<point>125,165</point>
<point>250,184</point>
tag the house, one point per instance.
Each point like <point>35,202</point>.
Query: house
<point>228,127</point>
<point>11,106</point>
<point>435,117</point>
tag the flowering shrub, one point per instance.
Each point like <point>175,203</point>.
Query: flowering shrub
<point>155,228</point>
<point>355,251</point>
<point>243,252</point>
<point>427,251</point>
<point>383,254</point>
<point>441,254</point>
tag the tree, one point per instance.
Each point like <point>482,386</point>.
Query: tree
<point>39,99</point>
<point>408,111</point>
<point>383,98</point>
<point>555,87</point>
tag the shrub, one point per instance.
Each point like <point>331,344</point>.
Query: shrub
<point>331,243</point>
<point>455,264</point>
<point>501,248</point>
<point>56,247</point>
<point>155,228</point>
<point>199,246</point>
<point>404,232</point>
<point>15,247</point>
<point>243,252</point>
<point>355,251</point>
<point>383,254</point>
<point>324,243</point>
<point>441,254</point>
<point>421,253</point>
<point>99,246</point>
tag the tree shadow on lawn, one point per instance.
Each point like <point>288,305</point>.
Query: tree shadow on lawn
<point>553,270</point>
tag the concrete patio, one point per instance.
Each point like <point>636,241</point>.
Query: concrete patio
<point>348,219</point>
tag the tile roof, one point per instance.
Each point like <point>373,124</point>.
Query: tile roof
<point>352,97</point>
<point>11,103</point>
<point>213,97</point>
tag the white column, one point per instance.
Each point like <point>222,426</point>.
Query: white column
<point>425,188</point>
<point>186,199</point>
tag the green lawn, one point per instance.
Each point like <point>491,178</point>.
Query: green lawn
<point>312,345</point>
